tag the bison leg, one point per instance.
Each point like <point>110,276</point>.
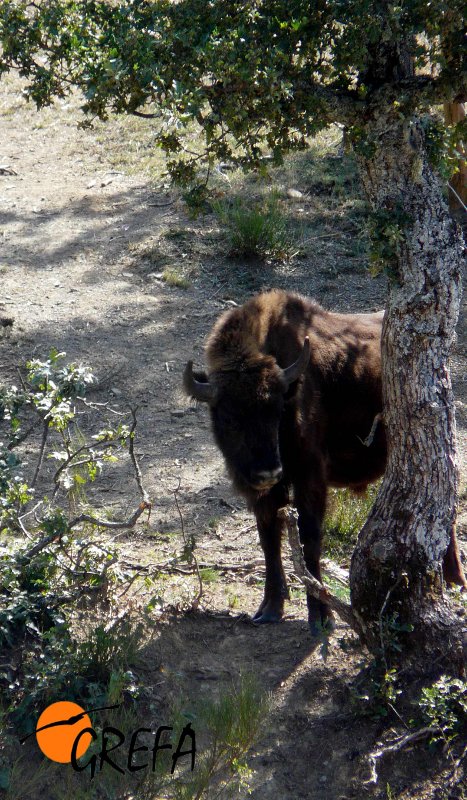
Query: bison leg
<point>310,501</point>
<point>270,534</point>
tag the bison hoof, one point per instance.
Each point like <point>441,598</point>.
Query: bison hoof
<point>267,617</point>
<point>267,614</point>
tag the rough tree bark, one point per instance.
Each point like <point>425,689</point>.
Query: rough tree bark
<point>396,567</point>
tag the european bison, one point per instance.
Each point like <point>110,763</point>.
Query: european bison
<point>293,391</point>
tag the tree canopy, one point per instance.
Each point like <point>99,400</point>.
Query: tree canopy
<point>258,77</point>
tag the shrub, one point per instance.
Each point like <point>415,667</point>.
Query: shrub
<point>444,707</point>
<point>50,557</point>
<point>256,230</point>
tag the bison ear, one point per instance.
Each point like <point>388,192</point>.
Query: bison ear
<point>197,386</point>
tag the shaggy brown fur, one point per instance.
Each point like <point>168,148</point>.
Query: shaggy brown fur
<point>306,434</point>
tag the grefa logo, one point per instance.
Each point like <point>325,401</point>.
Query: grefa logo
<point>64,733</point>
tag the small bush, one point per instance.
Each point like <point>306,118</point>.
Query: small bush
<point>444,707</point>
<point>52,558</point>
<point>256,230</point>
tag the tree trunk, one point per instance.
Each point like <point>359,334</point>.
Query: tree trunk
<point>396,580</point>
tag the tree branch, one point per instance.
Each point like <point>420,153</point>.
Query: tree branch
<point>100,523</point>
<point>41,545</point>
<point>103,523</point>
<point>427,88</point>
<point>316,589</point>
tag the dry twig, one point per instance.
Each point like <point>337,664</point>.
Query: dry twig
<point>139,477</point>
<point>98,406</point>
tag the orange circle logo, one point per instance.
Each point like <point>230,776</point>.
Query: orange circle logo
<point>57,728</point>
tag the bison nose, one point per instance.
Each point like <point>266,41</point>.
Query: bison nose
<point>266,477</point>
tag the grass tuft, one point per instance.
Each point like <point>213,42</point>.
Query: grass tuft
<point>209,575</point>
<point>256,229</point>
<point>173,277</point>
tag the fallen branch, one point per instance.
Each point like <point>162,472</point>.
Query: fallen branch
<point>86,546</point>
<point>246,529</point>
<point>69,461</point>
<point>394,747</point>
<point>66,464</point>
<point>129,585</point>
<point>316,589</point>
<point>190,569</point>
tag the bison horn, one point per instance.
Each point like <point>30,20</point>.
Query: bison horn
<point>293,372</point>
<point>199,390</point>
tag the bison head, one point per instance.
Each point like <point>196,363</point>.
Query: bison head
<point>246,405</point>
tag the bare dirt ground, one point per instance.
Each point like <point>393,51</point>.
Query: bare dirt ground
<point>83,244</point>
